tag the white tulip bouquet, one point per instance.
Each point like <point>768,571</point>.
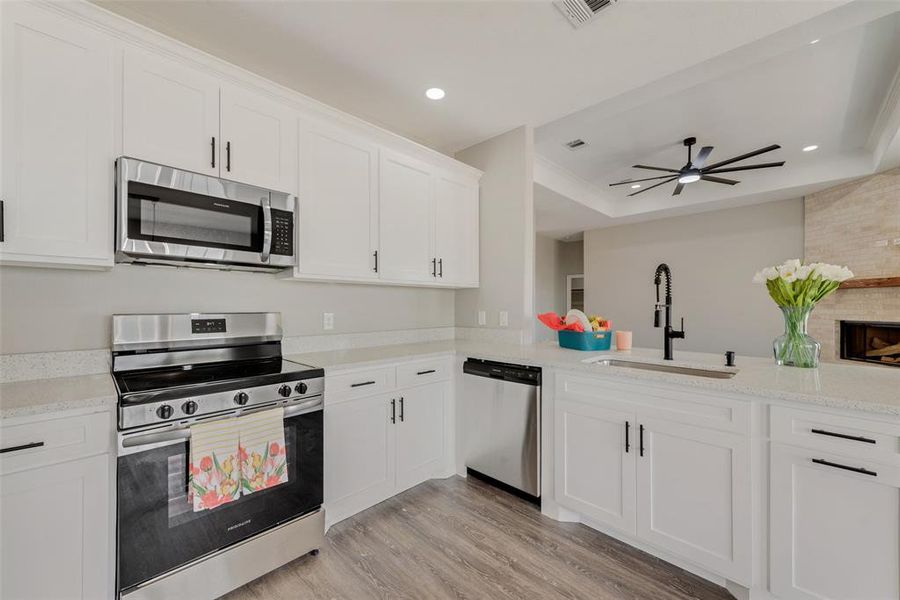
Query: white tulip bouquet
<point>797,288</point>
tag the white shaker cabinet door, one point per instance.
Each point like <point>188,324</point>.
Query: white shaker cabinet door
<point>55,522</point>
<point>595,451</point>
<point>693,494</point>
<point>360,454</point>
<point>260,140</point>
<point>338,228</point>
<point>57,136</point>
<point>835,527</point>
<point>456,231</point>
<point>405,218</point>
<point>420,434</point>
<point>171,114</point>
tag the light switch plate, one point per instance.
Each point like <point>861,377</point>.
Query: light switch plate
<point>504,318</point>
<point>482,318</point>
<point>327,321</point>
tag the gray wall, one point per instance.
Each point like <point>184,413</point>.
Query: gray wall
<point>50,309</point>
<point>554,260</point>
<point>506,237</point>
<point>713,257</point>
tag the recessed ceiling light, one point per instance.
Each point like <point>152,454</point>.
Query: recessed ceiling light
<point>815,41</point>
<point>810,148</point>
<point>434,93</point>
<point>635,186</point>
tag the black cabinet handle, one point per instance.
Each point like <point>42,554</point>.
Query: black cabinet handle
<point>441,268</point>
<point>401,409</point>
<point>425,372</point>
<point>844,436</point>
<point>2,225</point>
<point>22,447</point>
<point>376,260</point>
<point>228,156</point>
<point>393,411</point>
<point>627,437</point>
<point>362,384</point>
<point>827,463</point>
<point>213,147</point>
<point>434,267</point>
<point>641,448</point>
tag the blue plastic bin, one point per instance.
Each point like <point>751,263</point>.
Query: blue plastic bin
<point>585,340</point>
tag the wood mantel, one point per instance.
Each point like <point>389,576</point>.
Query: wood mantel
<point>871,282</point>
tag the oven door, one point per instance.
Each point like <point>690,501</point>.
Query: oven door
<point>157,528</point>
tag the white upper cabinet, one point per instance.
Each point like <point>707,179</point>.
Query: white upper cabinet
<point>260,140</point>
<point>405,218</point>
<point>57,136</point>
<point>338,223</point>
<point>171,114</point>
<point>456,230</point>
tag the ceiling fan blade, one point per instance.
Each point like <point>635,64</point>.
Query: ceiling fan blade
<point>744,156</point>
<point>655,168</point>
<point>700,160</point>
<point>673,178</point>
<point>639,180</point>
<point>719,180</point>
<point>678,189</point>
<point>744,168</point>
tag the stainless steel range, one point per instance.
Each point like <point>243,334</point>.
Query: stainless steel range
<point>173,371</point>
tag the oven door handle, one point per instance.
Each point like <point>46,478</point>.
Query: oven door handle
<point>184,433</point>
<point>267,229</point>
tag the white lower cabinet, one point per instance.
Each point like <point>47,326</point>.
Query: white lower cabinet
<point>56,524</point>
<point>835,526</point>
<point>680,488</point>
<point>377,446</point>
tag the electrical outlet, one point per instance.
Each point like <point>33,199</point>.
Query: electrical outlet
<point>504,318</point>
<point>327,321</point>
<point>482,318</point>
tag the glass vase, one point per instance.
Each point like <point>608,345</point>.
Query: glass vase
<point>795,348</point>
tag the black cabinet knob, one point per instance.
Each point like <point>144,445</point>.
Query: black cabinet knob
<point>285,390</point>
<point>301,388</point>
<point>164,412</point>
<point>189,407</point>
<point>241,398</point>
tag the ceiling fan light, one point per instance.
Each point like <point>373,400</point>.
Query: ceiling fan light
<point>689,177</point>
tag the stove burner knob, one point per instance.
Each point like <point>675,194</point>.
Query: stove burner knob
<point>189,407</point>
<point>285,390</point>
<point>241,398</point>
<point>301,388</point>
<point>164,412</point>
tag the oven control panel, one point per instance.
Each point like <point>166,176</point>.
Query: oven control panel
<point>235,401</point>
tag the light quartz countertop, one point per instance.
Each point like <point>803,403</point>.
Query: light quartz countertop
<point>863,388</point>
<point>58,394</point>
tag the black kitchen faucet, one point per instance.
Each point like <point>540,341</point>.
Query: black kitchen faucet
<point>669,334</point>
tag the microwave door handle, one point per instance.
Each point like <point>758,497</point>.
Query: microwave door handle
<point>267,230</point>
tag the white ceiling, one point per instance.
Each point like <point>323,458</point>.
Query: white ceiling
<point>503,64</point>
<point>840,93</point>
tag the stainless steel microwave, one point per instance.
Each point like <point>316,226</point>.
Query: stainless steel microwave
<point>171,216</point>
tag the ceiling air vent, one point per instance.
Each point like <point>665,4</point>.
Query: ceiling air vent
<point>579,12</point>
<point>576,144</point>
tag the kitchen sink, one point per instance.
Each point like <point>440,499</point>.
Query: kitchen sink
<point>696,372</point>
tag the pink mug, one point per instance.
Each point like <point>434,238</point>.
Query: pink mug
<point>623,340</point>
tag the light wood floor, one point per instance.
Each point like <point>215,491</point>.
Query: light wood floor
<point>460,538</point>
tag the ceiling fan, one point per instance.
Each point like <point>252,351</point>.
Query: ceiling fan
<point>697,170</point>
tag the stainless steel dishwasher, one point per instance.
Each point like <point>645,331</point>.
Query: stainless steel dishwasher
<point>502,416</point>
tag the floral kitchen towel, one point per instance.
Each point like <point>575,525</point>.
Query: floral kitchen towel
<point>214,470</point>
<point>262,453</point>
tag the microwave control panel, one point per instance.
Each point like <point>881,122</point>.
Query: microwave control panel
<point>282,232</point>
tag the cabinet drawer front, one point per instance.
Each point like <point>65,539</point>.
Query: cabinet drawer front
<point>357,384</point>
<point>676,403</point>
<point>848,436</point>
<point>43,443</point>
<point>425,371</point>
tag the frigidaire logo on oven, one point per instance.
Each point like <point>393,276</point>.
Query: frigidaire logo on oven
<point>241,524</point>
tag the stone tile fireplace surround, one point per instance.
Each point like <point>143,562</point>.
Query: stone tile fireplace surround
<point>849,225</point>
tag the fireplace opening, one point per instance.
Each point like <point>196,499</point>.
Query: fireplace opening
<point>871,342</point>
